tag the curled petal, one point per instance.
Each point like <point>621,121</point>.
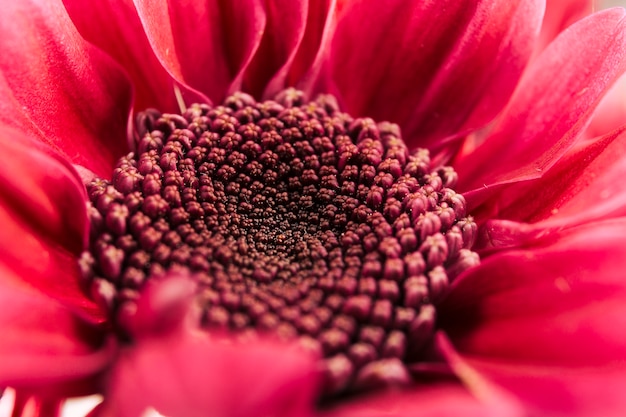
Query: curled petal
<point>205,45</point>
<point>45,346</point>
<point>286,23</point>
<point>44,222</point>
<point>76,98</point>
<point>114,27</point>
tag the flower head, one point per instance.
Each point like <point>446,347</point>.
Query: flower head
<point>246,246</point>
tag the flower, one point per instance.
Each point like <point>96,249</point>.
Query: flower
<point>523,333</point>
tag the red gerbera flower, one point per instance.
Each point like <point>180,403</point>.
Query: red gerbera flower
<point>277,251</point>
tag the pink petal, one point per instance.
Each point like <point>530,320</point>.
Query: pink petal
<point>611,112</point>
<point>286,23</point>
<point>205,45</point>
<point>438,68</point>
<point>430,401</point>
<point>114,27</point>
<point>585,183</point>
<point>561,303</point>
<point>76,97</point>
<point>194,375</point>
<point>545,390</point>
<point>44,344</point>
<point>557,391</point>
<point>44,222</point>
<point>548,112</point>
<point>559,15</point>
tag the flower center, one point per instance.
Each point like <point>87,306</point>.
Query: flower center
<point>296,219</point>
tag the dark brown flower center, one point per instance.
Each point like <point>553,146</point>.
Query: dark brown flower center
<point>296,220</point>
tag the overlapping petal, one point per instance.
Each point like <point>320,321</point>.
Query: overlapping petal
<point>50,328</point>
<point>114,27</point>
<point>206,45</point>
<point>76,97</point>
<point>547,112</point>
<point>436,68</point>
<point>526,305</point>
<point>553,313</point>
<point>559,15</point>
<point>43,213</point>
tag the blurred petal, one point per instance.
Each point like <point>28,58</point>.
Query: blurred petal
<point>44,222</point>
<point>76,97</point>
<point>433,400</point>
<point>44,344</point>
<point>562,302</point>
<point>416,58</point>
<point>192,375</point>
<point>553,391</point>
<point>114,27</point>
<point>559,15</point>
<point>205,45</point>
<point>611,112</point>
<point>547,113</point>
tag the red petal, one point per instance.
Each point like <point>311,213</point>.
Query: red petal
<point>205,45</point>
<point>193,375</point>
<point>44,222</point>
<point>563,304</point>
<point>114,27</point>
<point>438,68</point>
<point>547,113</point>
<point>313,48</point>
<point>286,22</point>
<point>75,95</point>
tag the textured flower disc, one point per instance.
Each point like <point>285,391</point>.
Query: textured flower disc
<point>296,220</point>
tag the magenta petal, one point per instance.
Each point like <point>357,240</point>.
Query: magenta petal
<point>43,342</point>
<point>559,15</point>
<point>547,113</point>
<point>75,95</point>
<point>192,375</point>
<point>44,222</point>
<point>435,401</point>
<point>562,304</point>
<point>205,45</point>
<point>286,22</point>
<point>316,39</point>
<point>114,27</point>
<point>545,390</point>
<point>583,185</point>
<point>553,391</point>
<point>437,68</point>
